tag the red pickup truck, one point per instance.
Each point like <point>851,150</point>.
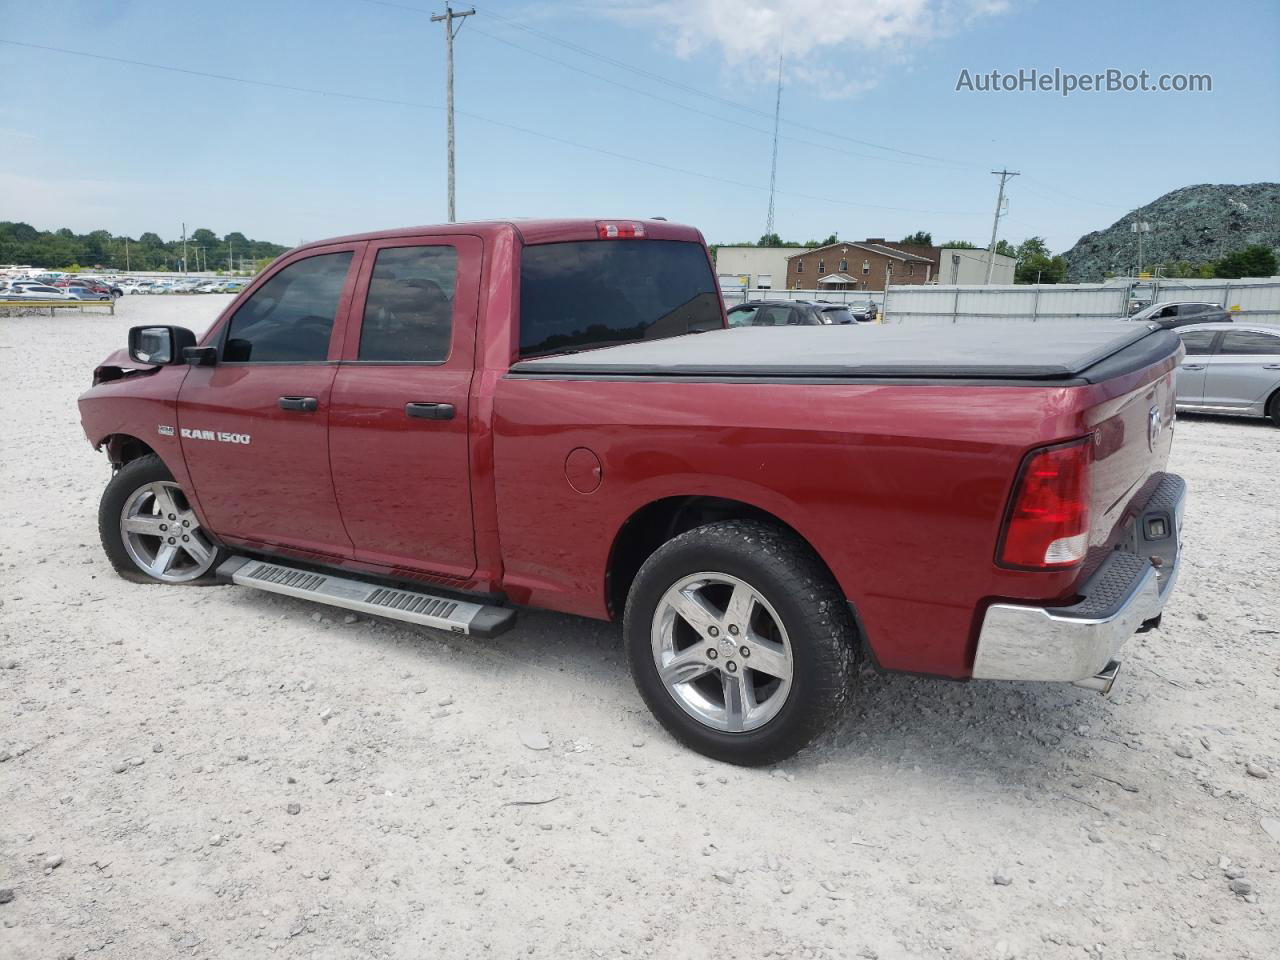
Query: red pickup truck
<point>443,424</point>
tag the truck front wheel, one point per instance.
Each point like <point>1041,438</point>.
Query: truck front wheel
<point>740,641</point>
<point>148,529</point>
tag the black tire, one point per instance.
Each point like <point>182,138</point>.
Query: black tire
<point>128,480</point>
<point>788,574</point>
<point>1273,408</point>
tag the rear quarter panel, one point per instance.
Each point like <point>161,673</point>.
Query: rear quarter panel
<point>900,488</point>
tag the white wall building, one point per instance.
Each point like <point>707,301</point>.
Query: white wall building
<point>765,268</point>
<point>963,266</point>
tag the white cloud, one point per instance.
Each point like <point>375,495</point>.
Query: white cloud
<point>749,34</point>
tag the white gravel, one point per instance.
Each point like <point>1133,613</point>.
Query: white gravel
<point>213,773</point>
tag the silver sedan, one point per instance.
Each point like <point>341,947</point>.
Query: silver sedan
<point>1230,368</point>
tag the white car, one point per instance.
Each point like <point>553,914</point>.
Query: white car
<point>35,291</point>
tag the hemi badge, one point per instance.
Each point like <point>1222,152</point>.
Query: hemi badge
<point>165,431</point>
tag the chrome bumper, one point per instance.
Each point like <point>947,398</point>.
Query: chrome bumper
<point>1079,642</point>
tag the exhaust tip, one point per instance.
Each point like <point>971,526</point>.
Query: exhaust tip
<point>1103,680</point>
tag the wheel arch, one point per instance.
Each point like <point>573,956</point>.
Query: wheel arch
<point>1272,407</point>
<point>657,522</point>
<point>122,448</point>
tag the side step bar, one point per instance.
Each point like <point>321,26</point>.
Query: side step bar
<point>442,613</point>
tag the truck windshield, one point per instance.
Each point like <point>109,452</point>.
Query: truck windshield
<point>600,293</point>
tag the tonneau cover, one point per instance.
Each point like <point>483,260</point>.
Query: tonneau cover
<point>1008,351</point>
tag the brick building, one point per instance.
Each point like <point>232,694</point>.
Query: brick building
<point>860,265</point>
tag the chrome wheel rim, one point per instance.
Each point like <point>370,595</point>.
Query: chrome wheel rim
<point>722,652</point>
<point>162,535</point>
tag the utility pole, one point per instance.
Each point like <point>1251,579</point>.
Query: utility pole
<point>184,248</point>
<point>1005,176</point>
<point>449,33</point>
<point>231,256</point>
<point>773,170</point>
<point>1140,227</point>
<point>126,254</point>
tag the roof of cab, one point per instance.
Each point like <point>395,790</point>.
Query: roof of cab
<point>530,231</point>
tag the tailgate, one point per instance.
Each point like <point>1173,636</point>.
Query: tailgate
<point>1133,434</point>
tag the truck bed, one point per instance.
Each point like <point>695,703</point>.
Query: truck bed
<point>1062,354</point>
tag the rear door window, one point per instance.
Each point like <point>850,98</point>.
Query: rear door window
<point>597,293</point>
<point>408,313</point>
<point>772,316</point>
<point>1250,342</point>
<point>290,317</point>
<point>1198,342</point>
<point>837,315</point>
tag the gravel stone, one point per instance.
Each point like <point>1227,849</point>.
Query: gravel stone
<point>6,895</point>
<point>1241,887</point>
<point>1001,879</point>
<point>53,861</point>
<point>293,809</point>
<point>119,767</point>
<point>1183,750</point>
<point>1257,770</point>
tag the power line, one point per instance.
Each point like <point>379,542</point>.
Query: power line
<point>683,87</point>
<point>474,116</point>
<point>928,165</point>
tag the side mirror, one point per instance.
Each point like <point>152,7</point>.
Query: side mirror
<point>159,346</point>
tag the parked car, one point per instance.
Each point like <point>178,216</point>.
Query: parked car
<point>1231,368</point>
<point>89,293</point>
<point>1181,313</point>
<point>113,288</point>
<point>756,505</point>
<point>788,313</point>
<point>864,311</point>
<point>34,291</point>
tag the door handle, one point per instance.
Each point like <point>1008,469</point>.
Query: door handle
<point>1271,366</point>
<point>1193,366</point>
<point>430,411</point>
<point>305,404</point>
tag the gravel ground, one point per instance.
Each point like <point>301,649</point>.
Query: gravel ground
<point>218,772</point>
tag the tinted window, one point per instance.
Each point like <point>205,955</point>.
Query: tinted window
<point>1167,312</point>
<point>773,316</point>
<point>290,317</point>
<point>837,315</point>
<point>595,293</point>
<point>1250,342</point>
<point>408,314</point>
<point>1198,341</point>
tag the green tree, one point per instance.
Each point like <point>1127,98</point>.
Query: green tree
<point>1006,249</point>
<point>1253,261</point>
<point>202,237</point>
<point>769,240</point>
<point>961,245</point>
<point>821,243</point>
<point>921,238</point>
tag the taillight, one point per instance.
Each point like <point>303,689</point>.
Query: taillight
<point>1048,524</point>
<point>613,231</point>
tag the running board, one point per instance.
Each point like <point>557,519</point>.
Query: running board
<point>442,613</point>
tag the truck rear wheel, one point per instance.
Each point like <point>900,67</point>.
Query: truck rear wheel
<point>740,641</point>
<point>149,531</point>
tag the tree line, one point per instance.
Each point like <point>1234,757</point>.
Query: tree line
<point>21,243</point>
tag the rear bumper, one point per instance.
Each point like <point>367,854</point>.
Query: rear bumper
<point>1079,642</point>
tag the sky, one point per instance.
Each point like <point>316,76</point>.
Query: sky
<point>622,109</point>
